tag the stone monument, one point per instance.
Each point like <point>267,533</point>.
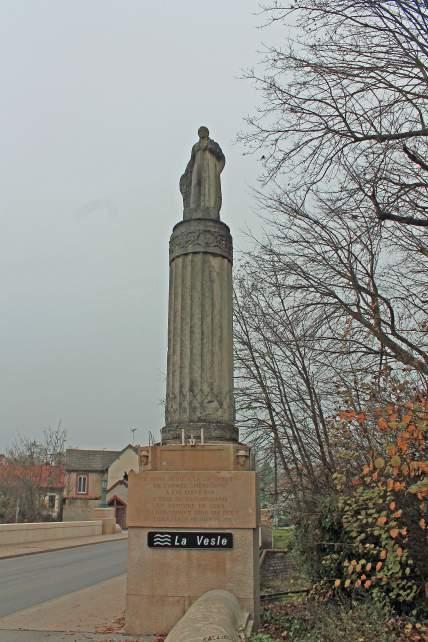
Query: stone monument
<point>192,511</point>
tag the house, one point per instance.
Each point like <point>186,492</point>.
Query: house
<point>95,478</point>
<point>117,481</point>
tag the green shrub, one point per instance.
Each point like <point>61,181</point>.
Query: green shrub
<point>369,538</point>
<point>319,533</point>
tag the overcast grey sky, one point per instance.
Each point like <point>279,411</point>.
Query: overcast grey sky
<point>101,101</point>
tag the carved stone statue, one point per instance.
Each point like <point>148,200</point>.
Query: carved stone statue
<point>200,184</point>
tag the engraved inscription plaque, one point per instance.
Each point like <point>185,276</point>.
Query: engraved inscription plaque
<point>200,499</point>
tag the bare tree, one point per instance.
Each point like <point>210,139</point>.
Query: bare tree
<point>343,134</point>
<point>287,391</point>
<point>345,279</point>
<point>346,101</point>
<point>330,306</point>
<point>298,361</point>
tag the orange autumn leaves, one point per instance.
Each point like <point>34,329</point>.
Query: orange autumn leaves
<point>405,427</point>
<point>409,422</point>
<point>372,508</point>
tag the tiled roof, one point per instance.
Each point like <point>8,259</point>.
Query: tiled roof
<point>89,460</point>
<point>121,482</point>
<point>41,475</point>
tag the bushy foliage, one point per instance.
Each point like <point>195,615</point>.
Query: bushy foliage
<point>318,532</point>
<point>383,516</point>
<point>7,507</point>
<point>370,538</point>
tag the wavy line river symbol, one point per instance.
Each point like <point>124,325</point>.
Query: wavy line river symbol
<point>162,541</point>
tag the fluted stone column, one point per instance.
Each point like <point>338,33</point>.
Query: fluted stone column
<point>200,350</point>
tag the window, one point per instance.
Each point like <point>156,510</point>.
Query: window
<point>82,484</point>
<point>51,501</point>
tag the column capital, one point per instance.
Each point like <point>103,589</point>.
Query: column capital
<point>201,236</point>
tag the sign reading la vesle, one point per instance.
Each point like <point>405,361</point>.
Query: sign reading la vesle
<point>197,499</point>
<point>189,539</point>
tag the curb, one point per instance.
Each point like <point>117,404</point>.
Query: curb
<point>71,636</point>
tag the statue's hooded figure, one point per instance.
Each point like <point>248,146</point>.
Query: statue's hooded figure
<point>200,184</point>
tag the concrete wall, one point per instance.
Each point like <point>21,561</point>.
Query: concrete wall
<point>128,460</point>
<point>77,510</point>
<point>43,531</point>
<point>108,517</point>
<point>266,516</point>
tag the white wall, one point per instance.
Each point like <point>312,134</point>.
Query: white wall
<point>128,460</point>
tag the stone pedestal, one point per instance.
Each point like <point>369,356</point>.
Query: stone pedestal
<point>208,491</point>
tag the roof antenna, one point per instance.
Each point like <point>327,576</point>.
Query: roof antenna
<point>133,430</point>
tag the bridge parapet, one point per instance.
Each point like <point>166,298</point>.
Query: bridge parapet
<point>216,615</point>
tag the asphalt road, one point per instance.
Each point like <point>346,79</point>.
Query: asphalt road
<point>32,579</point>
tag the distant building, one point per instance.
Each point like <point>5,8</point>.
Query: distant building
<point>117,481</point>
<point>97,477</point>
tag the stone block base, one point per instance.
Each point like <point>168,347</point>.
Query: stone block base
<point>164,581</point>
<point>215,457</point>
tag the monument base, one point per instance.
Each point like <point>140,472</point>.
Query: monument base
<point>192,519</point>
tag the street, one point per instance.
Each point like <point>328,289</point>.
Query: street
<point>29,580</point>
